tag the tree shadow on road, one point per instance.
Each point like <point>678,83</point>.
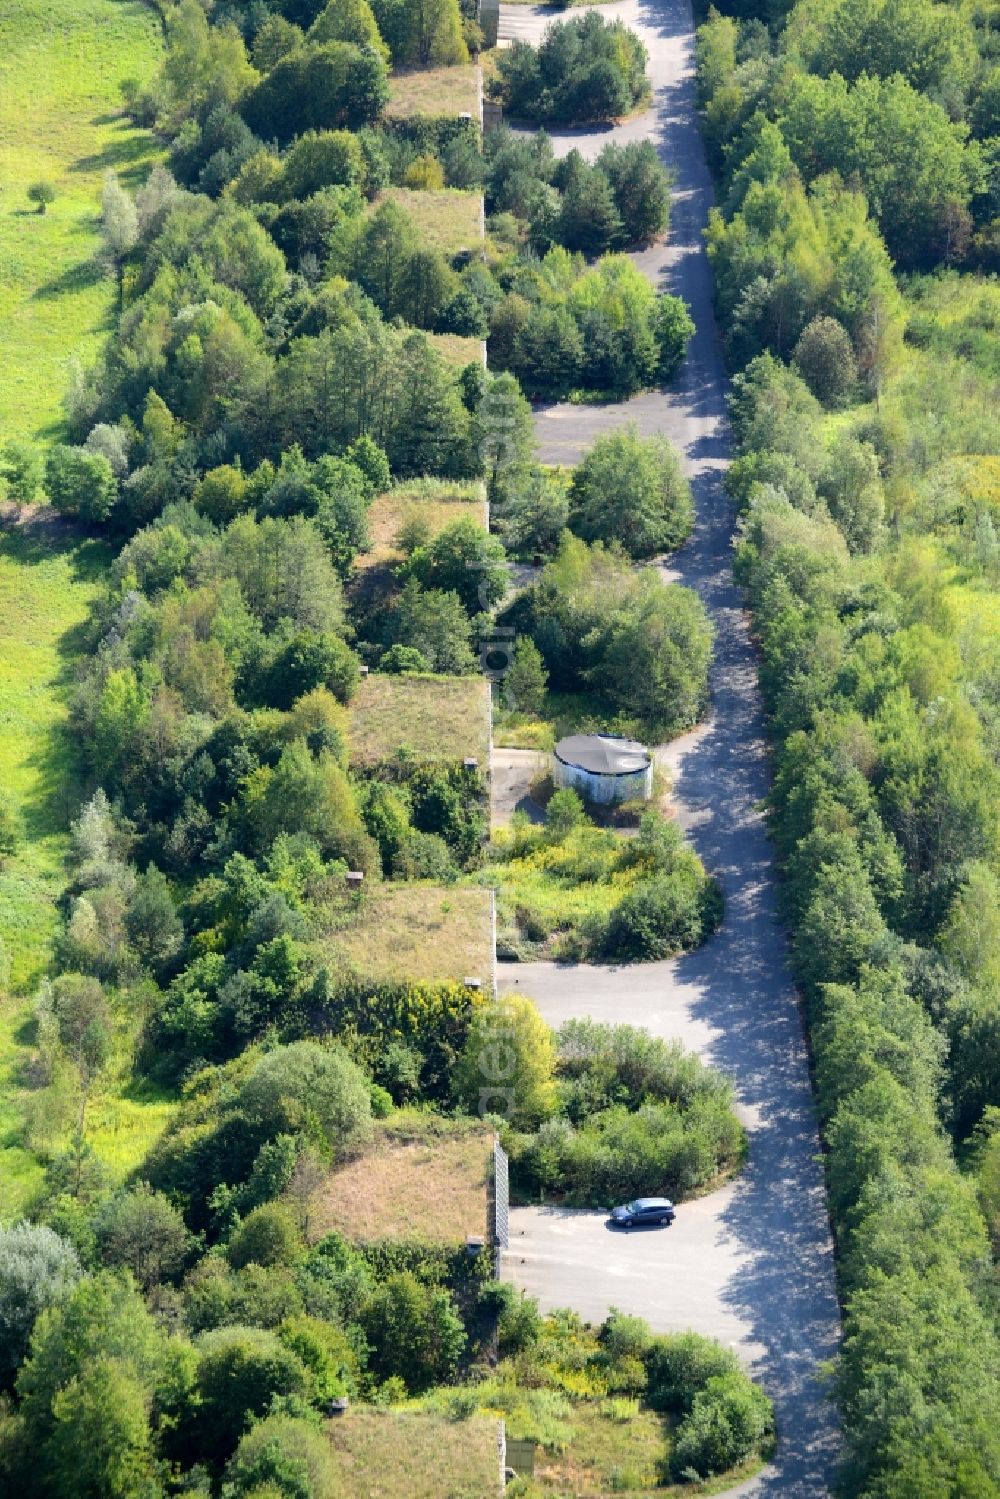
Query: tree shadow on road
<point>744,993</point>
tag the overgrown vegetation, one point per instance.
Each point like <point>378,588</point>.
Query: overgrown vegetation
<point>626,1114</point>
<point>579,892</point>
<point>639,648</point>
<point>865,415</point>
<point>565,326</point>
<point>418,510</point>
<point>231,1039</point>
<point>584,69</point>
<point>614,1408</point>
<point>622,199</point>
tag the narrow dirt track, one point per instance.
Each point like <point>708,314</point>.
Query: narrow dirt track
<point>752,1264</point>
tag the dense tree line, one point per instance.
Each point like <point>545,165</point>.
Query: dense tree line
<point>842,138</point>
<point>884,813</point>
<point>899,102</point>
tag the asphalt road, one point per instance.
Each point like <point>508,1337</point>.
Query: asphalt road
<point>752,1264</point>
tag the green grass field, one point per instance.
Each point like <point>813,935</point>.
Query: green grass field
<point>45,588</point>
<point>61,66</point>
<point>48,576</point>
<point>618,1446</point>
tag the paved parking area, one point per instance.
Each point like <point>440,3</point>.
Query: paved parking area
<point>669,1276</point>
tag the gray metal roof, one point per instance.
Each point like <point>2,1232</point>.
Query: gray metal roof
<point>603,754</point>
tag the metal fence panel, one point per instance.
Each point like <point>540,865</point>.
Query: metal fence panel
<point>501,1197</point>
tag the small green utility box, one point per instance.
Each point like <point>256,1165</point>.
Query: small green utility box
<point>520,1457</point>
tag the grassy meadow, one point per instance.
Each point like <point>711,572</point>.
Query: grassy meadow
<point>457,350</point>
<point>61,66</point>
<point>618,1446</point>
<point>432,719</point>
<point>448,219</point>
<point>391,1454</point>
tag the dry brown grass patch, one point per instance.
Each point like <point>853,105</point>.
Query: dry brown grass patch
<point>415,1455</point>
<point>436,506</point>
<point>422,933</point>
<point>424,1178</point>
<point>433,719</point>
<point>434,91</point>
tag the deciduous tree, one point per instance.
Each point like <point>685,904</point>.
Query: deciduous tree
<point>507,1064</point>
<point>631,490</point>
<point>38,1269</point>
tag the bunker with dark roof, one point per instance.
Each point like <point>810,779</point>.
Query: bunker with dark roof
<point>604,768</point>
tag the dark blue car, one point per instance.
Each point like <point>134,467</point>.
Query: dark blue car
<point>644,1212</point>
